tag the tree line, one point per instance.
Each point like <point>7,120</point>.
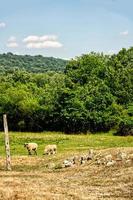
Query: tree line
<point>93,93</point>
<point>35,64</point>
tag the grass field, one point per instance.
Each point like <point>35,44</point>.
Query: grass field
<point>31,178</point>
<point>71,143</point>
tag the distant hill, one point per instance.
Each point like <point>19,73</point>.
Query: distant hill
<point>36,64</point>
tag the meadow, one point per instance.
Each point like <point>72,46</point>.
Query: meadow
<point>65,142</point>
<point>34,177</point>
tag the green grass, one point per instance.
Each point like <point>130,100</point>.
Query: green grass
<point>66,143</point>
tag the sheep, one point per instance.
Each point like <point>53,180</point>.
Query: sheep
<point>68,163</point>
<point>31,147</point>
<point>50,149</point>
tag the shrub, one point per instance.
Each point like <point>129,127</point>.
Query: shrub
<point>125,127</point>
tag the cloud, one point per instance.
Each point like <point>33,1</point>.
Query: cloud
<point>34,38</point>
<point>124,33</point>
<point>46,44</point>
<point>2,25</point>
<point>12,43</point>
<point>40,42</point>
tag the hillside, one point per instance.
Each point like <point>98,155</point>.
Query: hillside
<point>35,64</point>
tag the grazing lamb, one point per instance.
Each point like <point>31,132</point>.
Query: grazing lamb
<point>31,147</point>
<point>50,149</point>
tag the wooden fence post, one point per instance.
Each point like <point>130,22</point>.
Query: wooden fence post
<point>7,146</point>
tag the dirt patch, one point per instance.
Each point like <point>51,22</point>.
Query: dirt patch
<point>31,179</point>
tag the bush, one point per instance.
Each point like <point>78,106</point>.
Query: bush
<point>125,127</point>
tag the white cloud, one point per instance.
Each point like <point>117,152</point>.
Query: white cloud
<point>39,42</point>
<point>48,38</point>
<point>46,44</point>
<point>2,25</point>
<point>34,38</point>
<point>12,44</point>
<point>31,38</point>
<point>124,33</point>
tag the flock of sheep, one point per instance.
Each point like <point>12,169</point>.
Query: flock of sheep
<point>49,149</point>
<point>52,149</point>
<point>108,160</point>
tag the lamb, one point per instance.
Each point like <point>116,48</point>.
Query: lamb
<point>31,147</point>
<point>50,149</point>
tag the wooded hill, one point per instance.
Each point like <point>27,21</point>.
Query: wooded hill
<point>93,93</point>
<point>36,64</point>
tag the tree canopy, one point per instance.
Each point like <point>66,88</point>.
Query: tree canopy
<point>35,64</point>
<point>94,92</point>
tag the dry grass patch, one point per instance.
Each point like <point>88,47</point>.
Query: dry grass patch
<point>32,179</point>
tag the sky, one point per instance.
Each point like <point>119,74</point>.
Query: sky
<point>65,28</point>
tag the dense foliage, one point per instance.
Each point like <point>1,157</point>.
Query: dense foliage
<point>94,93</point>
<point>35,64</point>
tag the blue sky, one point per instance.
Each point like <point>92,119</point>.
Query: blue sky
<point>65,28</point>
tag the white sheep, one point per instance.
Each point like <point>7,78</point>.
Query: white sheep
<point>31,147</point>
<point>50,149</point>
<point>69,162</point>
